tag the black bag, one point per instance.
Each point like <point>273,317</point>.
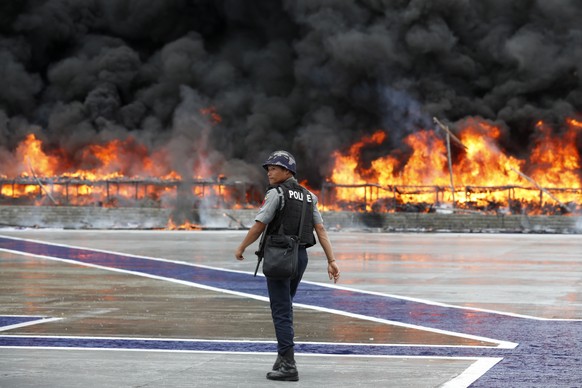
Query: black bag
<point>281,256</point>
<point>280,252</point>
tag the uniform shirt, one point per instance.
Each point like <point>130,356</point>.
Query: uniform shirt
<point>269,207</point>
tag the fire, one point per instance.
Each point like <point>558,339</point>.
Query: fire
<point>347,167</point>
<point>211,112</point>
<point>481,176</point>
<point>112,163</point>
<point>187,225</point>
<point>120,172</point>
<point>482,173</point>
<point>30,153</point>
<point>484,165</point>
<point>555,159</point>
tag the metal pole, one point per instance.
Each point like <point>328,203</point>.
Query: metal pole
<point>450,167</point>
<point>365,198</point>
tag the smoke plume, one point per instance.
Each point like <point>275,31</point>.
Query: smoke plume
<point>309,76</point>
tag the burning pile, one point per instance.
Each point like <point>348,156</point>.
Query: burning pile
<point>473,173</point>
<point>481,176</point>
<point>123,174</point>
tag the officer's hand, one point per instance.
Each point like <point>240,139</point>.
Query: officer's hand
<point>333,271</point>
<point>238,254</point>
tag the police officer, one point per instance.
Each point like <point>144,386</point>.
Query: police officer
<point>282,206</point>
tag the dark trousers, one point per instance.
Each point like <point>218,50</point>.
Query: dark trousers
<point>281,293</point>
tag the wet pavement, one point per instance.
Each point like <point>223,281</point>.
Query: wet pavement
<point>158,308</point>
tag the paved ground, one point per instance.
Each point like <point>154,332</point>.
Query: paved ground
<point>157,309</point>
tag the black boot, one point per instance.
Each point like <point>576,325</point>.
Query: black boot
<point>277,363</point>
<point>287,370</point>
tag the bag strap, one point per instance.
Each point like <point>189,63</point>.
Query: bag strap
<point>302,214</point>
<point>263,238</point>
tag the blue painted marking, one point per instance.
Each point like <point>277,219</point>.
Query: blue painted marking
<point>9,320</point>
<point>230,346</point>
<point>549,352</point>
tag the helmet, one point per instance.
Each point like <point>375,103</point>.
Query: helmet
<point>283,159</point>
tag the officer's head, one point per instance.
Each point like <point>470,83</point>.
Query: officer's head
<point>283,159</point>
<point>280,166</point>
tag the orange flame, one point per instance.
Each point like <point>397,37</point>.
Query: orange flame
<point>481,173</point>
<point>108,174</point>
<point>30,153</point>
<point>187,225</point>
<point>555,160</point>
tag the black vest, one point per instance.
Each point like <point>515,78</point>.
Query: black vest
<point>290,216</point>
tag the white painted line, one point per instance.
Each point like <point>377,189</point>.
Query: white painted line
<point>298,355</point>
<point>472,373</point>
<point>478,368</point>
<point>227,341</point>
<point>28,323</point>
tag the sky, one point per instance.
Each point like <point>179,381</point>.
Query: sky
<point>307,76</point>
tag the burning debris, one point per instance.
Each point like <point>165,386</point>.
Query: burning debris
<point>488,179</point>
<point>105,184</point>
<point>121,192</point>
<point>380,199</point>
<point>428,177</point>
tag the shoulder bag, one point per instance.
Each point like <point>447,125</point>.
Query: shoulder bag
<point>281,251</point>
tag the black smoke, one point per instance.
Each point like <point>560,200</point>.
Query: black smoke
<point>309,76</point>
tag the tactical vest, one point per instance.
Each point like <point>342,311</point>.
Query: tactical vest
<point>290,215</point>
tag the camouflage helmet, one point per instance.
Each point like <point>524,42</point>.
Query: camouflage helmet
<point>283,159</point>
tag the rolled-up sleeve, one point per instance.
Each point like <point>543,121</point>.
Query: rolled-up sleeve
<point>317,218</point>
<point>268,208</point>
